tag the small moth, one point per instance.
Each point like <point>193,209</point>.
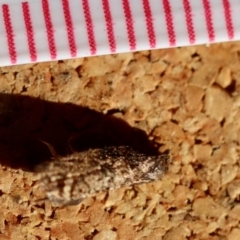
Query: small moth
<point>68,180</point>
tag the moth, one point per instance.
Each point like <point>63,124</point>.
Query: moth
<point>70,179</point>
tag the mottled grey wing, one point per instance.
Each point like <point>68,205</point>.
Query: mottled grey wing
<point>68,180</point>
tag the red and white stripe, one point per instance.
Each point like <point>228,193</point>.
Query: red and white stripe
<point>43,30</point>
<point>9,33</point>
<point>49,29</point>
<point>29,30</point>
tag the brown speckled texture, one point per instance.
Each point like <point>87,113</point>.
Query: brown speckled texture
<point>185,99</point>
<point>69,180</point>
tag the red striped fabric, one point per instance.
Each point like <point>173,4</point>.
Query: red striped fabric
<point>43,30</point>
<point>189,21</point>
<point>9,33</point>
<point>149,23</point>
<point>129,24</point>
<point>209,21</point>
<point>109,25</point>
<point>169,22</point>
<point>29,31</point>
<point>89,26</point>
<point>49,29</point>
<point>69,25</point>
<point>228,19</point>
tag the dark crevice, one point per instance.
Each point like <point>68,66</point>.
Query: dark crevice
<point>19,218</point>
<point>52,79</point>
<point>194,55</point>
<point>78,71</point>
<point>198,141</point>
<point>222,122</point>
<point>174,121</point>
<point>199,166</point>
<point>24,89</point>
<point>162,74</point>
<point>174,110</point>
<point>232,87</point>
<point>94,233</point>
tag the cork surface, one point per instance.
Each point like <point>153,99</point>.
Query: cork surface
<point>186,100</point>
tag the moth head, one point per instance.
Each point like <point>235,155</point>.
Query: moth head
<point>154,167</point>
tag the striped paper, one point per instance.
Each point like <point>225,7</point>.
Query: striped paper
<point>44,30</point>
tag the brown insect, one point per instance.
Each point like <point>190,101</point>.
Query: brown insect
<point>68,180</point>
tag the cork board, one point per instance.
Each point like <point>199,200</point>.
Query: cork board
<point>186,100</point>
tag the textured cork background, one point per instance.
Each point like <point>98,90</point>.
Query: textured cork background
<point>186,100</point>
